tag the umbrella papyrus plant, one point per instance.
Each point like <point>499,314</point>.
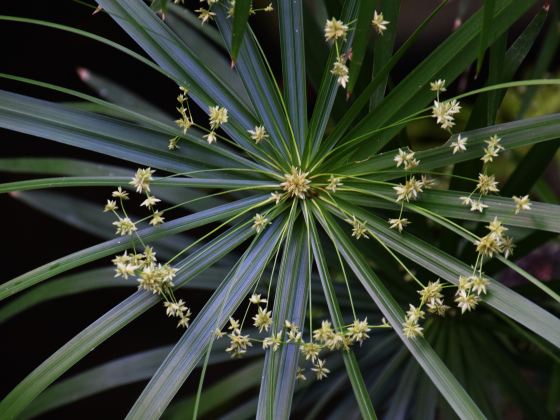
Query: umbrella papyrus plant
<point>336,255</point>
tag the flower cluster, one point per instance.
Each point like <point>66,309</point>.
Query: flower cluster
<point>406,158</point>
<point>296,183</point>
<point>258,134</point>
<point>336,31</point>
<point>150,274</point>
<point>379,23</point>
<point>468,292</point>
<point>411,188</point>
<point>141,182</point>
<point>444,111</point>
<point>324,338</point>
<point>459,145</point>
<point>494,242</point>
<point>186,120</point>
<point>206,14</point>
<point>153,277</point>
<point>486,183</point>
<point>467,297</point>
<point>217,116</point>
<point>470,288</point>
<point>334,183</point>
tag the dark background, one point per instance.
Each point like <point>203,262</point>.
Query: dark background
<point>31,238</point>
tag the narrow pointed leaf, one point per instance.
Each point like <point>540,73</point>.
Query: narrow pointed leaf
<point>280,367</point>
<point>225,391</point>
<point>91,280</point>
<point>360,41</point>
<point>195,199</point>
<point>487,15</point>
<point>60,166</point>
<point>383,48</point>
<point>115,93</point>
<point>207,44</point>
<point>292,46</point>
<point>531,168</point>
<point>259,82</point>
<point>350,361</point>
<point>241,11</point>
<point>105,135</point>
<point>380,78</point>
<point>329,87</point>
<point>502,68</point>
<point>115,181</point>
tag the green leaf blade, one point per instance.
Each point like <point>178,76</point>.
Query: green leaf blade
<point>292,46</point>
<point>280,367</point>
<point>240,21</point>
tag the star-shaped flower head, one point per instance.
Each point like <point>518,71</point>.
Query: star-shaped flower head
<point>378,23</point>
<point>459,145</point>
<point>521,203</point>
<point>335,29</point>
<point>438,86</point>
<point>296,183</point>
<point>258,134</point>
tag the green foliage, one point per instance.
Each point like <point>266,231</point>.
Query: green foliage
<point>309,211</point>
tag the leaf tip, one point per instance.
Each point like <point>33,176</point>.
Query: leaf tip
<point>97,10</point>
<point>457,23</point>
<point>83,73</point>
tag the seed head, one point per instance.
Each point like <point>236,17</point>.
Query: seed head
<point>487,184</point>
<point>357,332</point>
<point>438,86</point>
<point>335,29</point>
<point>359,229</point>
<point>399,223</point>
<point>262,319</point>
<point>141,180</point>
<point>259,222</point>
<point>320,370</point>
<point>340,70</point>
<point>521,203</point>
<point>378,23</point>
<point>258,134</point>
<point>459,145</point>
<point>218,116</point>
